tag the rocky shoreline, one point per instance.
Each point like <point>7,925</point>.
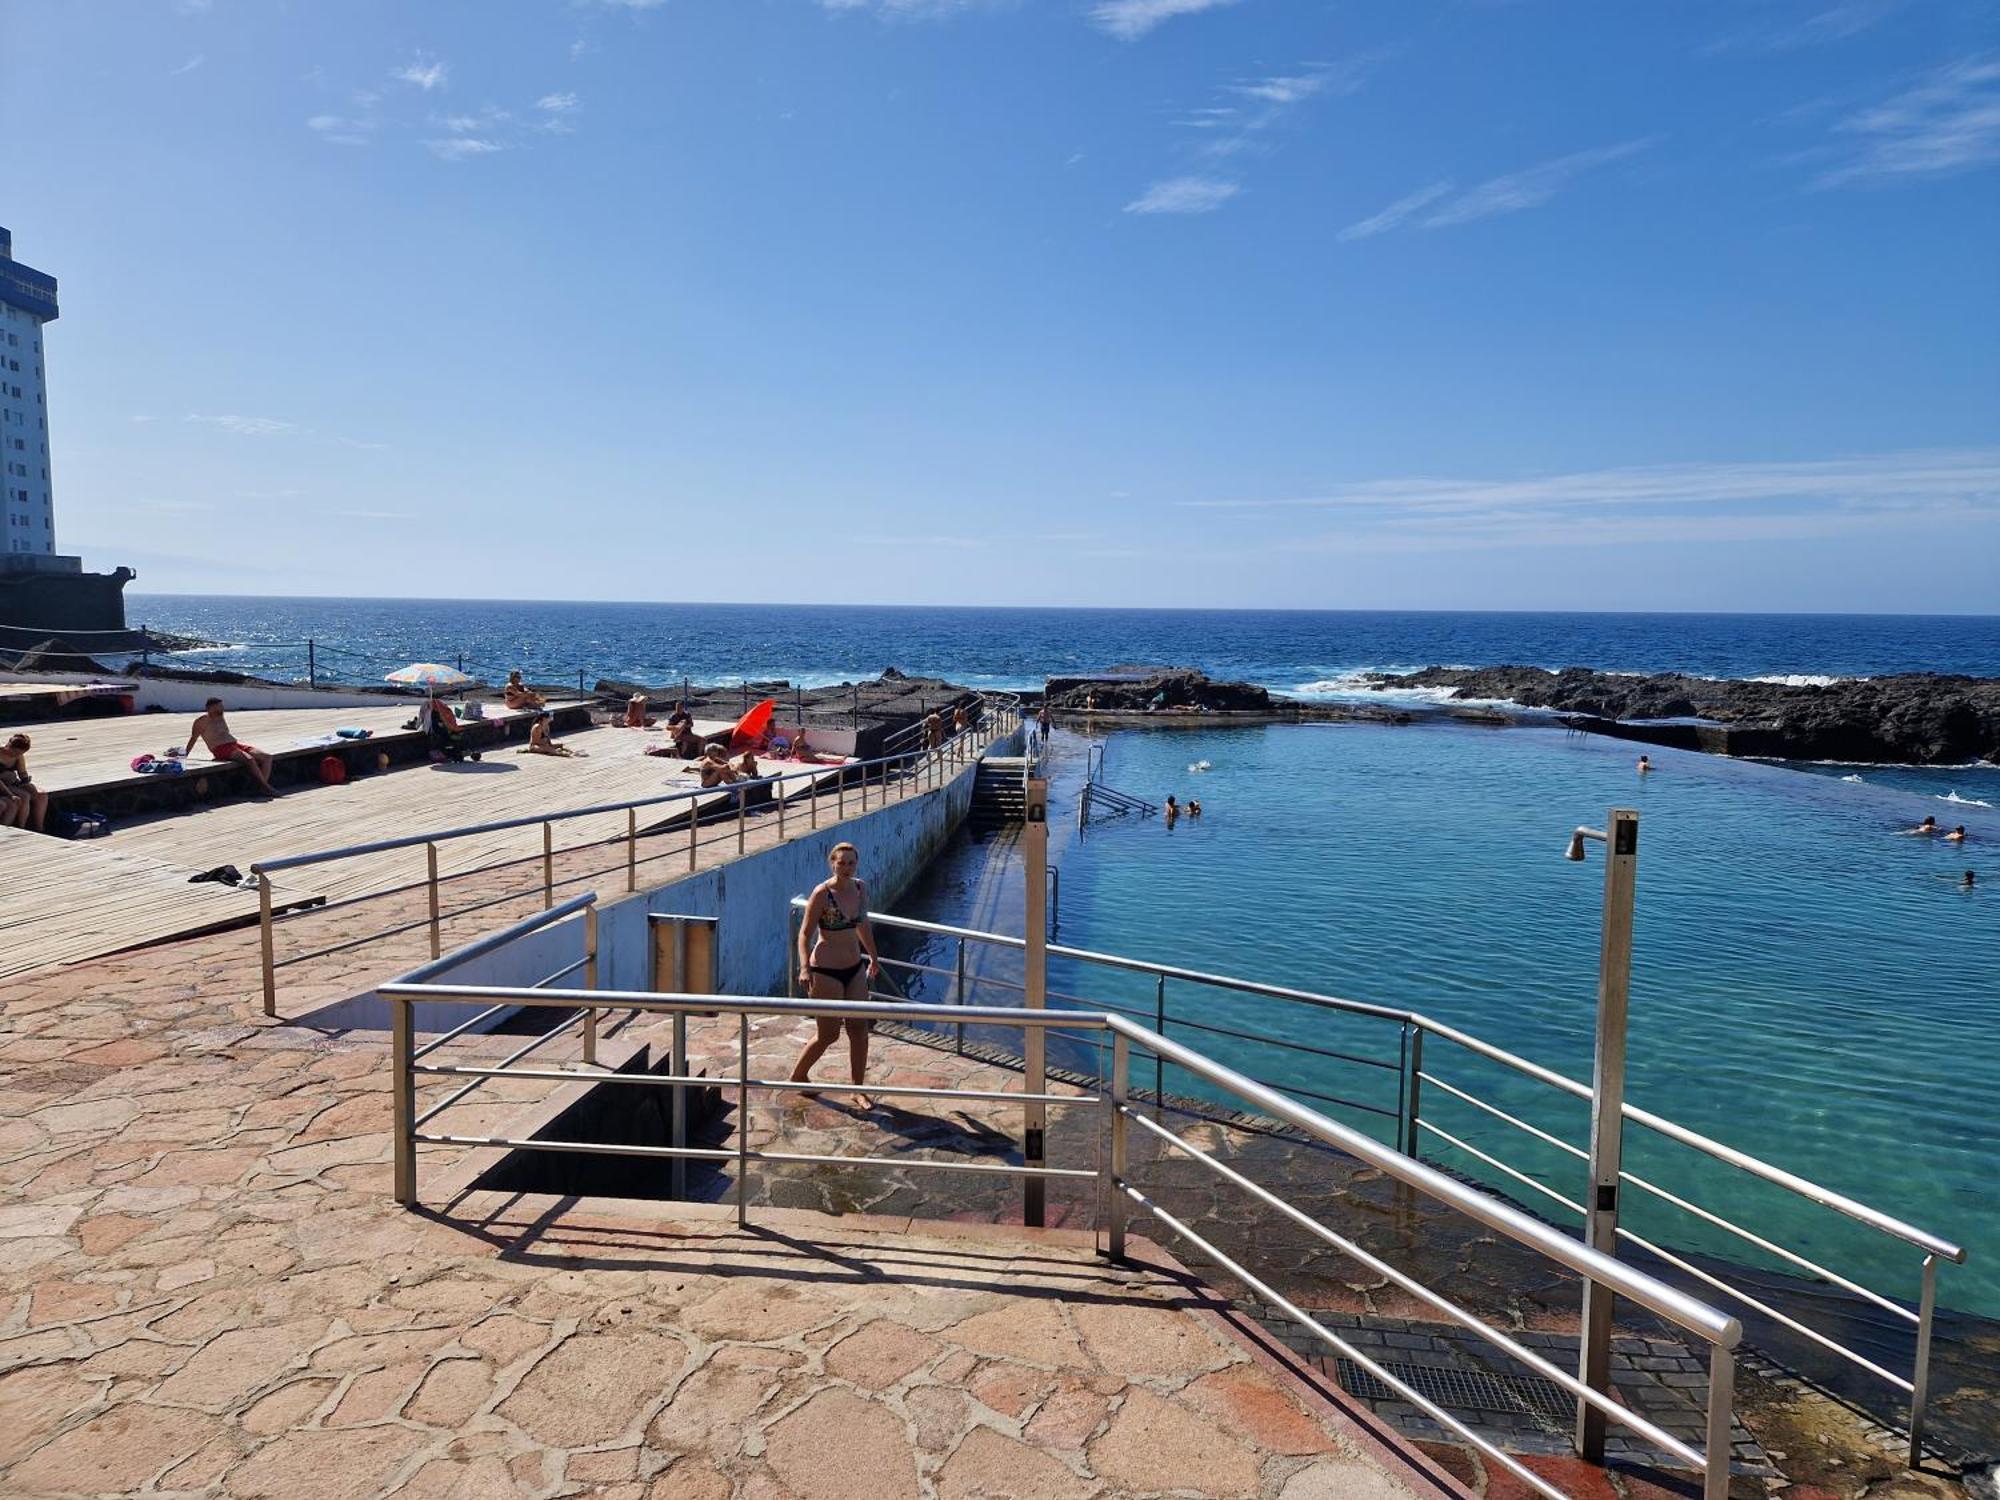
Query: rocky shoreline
<point>1916,718</point>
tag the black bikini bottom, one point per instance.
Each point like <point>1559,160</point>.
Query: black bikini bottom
<point>842,976</point>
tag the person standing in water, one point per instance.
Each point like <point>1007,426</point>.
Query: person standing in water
<point>1645,765</point>
<point>837,959</point>
<point>1173,810</point>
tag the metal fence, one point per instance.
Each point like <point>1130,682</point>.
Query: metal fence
<point>856,786</point>
<point>1395,1082</point>
<point>1114,1116</point>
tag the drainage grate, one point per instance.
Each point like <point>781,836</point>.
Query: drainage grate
<point>1481,1397</point>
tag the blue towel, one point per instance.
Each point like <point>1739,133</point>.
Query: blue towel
<point>354,734</point>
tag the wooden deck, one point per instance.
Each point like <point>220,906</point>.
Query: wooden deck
<point>79,899</point>
<point>74,899</point>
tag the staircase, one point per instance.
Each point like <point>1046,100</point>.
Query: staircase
<point>998,799</point>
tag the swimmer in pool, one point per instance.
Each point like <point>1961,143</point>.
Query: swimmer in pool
<point>1645,765</point>
<point>1928,826</point>
<point>1956,836</point>
<point>1969,881</point>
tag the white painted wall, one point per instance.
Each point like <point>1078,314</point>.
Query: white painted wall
<point>190,697</point>
<point>750,898</point>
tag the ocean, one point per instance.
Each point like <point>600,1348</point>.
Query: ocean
<point>1308,653</point>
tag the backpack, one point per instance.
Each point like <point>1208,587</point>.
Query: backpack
<point>333,770</point>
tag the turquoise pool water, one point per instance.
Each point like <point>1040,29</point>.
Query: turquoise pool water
<point>1809,984</point>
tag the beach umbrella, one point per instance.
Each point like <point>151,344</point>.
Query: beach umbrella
<point>431,674</point>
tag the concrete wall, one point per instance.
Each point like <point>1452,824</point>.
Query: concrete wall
<point>750,898</point>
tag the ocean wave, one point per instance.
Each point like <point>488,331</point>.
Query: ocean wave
<point>1963,801</point>
<point>1851,778</point>
<point>1793,679</point>
<point>1356,686</point>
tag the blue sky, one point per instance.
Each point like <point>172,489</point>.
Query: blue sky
<point>1439,303</point>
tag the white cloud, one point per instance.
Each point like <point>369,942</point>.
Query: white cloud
<point>339,130</point>
<point>425,73</point>
<point>1837,23</point>
<point>1130,19</point>
<point>462,147</point>
<point>1948,122</point>
<point>577,48</point>
<point>190,65</point>
<point>906,10</point>
<point>1396,214</point>
<point>1285,89</point>
<point>1669,503</point>
<point>1529,188</point>
<point>1184,195</point>
<point>1506,194</point>
<point>245,426</point>
<point>558,104</point>
<point>484,121</point>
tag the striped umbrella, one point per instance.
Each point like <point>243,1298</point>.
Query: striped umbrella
<point>434,674</point>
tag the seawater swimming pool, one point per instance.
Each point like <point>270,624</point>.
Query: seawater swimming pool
<point>1809,985</point>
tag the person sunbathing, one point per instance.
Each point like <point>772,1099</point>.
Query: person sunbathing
<point>517,694</point>
<point>635,713</point>
<point>212,729</point>
<point>714,767</point>
<point>541,742</point>
<point>746,768</point>
<point>22,803</point>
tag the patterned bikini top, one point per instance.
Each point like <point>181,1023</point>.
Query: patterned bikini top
<point>833,919</point>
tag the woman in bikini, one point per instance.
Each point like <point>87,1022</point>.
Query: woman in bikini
<point>22,803</point>
<point>836,962</point>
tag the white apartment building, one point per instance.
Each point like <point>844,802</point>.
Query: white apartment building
<point>27,497</point>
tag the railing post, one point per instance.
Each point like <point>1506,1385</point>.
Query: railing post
<point>1721,1407</point>
<point>812,799</point>
<point>1160,1027</point>
<point>1607,1117</point>
<point>590,983</point>
<point>403,1090</point>
<point>264,938</point>
<point>1034,996</point>
<point>1412,1109</point>
<point>312,664</point>
<point>548,864</point>
<point>959,995</point>
<point>1115,1209</point>
<point>431,888</point>
<point>1055,898</point>
<point>631,848</point>
<point>743,1119</point>
<point>742,812</point>
<point>1920,1374</point>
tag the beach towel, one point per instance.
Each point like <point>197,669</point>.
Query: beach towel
<point>353,734</point>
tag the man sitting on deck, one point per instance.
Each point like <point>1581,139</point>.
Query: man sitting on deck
<point>212,729</point>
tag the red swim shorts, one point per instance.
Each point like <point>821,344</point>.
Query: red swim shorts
<point>230,749</point>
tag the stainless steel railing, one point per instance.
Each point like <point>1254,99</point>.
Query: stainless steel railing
<point>1110,1106</point>
<point>827,789</point>
<point>1418,1079</point>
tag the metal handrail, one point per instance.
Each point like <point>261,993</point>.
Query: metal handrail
<point>1412,1127</point>
<point>919,765</point>
<point>1719,1331</point>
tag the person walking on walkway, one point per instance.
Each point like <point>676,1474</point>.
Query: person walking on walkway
<point>837,959</point>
